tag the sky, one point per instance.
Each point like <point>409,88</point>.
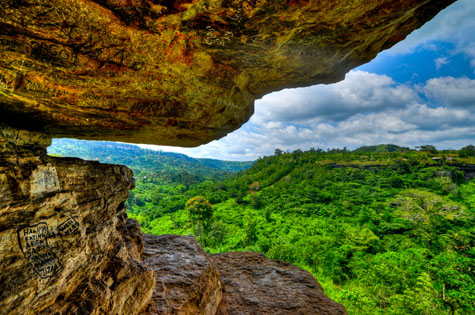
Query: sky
<point>420,91</point>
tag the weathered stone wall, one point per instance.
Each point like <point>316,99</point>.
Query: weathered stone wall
<point>66,244</point>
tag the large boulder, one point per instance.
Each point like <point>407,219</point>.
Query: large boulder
<point>253,284</point>
<point>187,279</point>
<point>179,72</point>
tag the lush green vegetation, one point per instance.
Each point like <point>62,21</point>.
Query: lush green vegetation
<point>161,178</point>
<point>384,229</point>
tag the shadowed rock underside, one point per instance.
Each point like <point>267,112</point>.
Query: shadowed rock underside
<point>179,72</point>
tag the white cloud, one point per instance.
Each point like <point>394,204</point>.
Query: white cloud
<point>435,118</point>
<point>455,25</point>
<point>450,91</point>
<point>442,61</point>
<point>364,109</point>
<point>359,92</point>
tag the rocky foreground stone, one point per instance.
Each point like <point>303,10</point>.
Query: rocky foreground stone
<point>187,280</point>
<point>67,246</point>
<point>191,282</point>
<point>253,284</point>
<point>180,72</point>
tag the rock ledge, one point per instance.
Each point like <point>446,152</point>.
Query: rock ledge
<point>191,282</point>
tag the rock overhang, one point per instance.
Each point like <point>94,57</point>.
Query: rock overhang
<point>179,72</point>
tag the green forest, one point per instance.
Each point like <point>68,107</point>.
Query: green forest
<point>384,229</point>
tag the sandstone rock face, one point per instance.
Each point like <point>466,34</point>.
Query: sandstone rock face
<point>66,245</point>
<point>253,284</point>
<point>187,280</point>
<point>179,72</point>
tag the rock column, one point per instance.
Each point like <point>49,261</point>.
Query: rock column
<point>66,244</point>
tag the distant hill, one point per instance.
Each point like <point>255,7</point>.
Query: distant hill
<point>382,148</point>
<point>143,159</point>
<point>228,166</point>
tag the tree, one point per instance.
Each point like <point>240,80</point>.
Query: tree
<point>467,151</point>
<point>420,299</point>
<point>250,228</point>
<point>429,148</point>
<point>454,276</point>
<point>254,187</point>
<point>424,208</point>
<point>200,212</point>
<point>256,201</point>
<point>386,274</point>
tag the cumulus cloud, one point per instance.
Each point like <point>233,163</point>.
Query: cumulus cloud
<point>450,91</point>
<point>359,92</point>
<point>364,109</point>
<point>435,118</point>
<point>442,126</point>
<point>442,61</point>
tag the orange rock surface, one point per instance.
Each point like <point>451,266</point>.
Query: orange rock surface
<point>179,72</point>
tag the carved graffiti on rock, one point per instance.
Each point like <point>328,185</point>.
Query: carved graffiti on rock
<point>68,227</point>
<point>44,179</point>
<point>33,242</point>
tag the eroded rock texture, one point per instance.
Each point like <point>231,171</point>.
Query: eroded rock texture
<point>187,280</point>
<point>253,284</point>
<point>66,245</point>
<point>191,282</point>
<point>179,72</point>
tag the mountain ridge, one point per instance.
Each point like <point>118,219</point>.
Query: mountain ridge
<point>137,158</point>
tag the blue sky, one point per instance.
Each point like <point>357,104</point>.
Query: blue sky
<point>421,91</point>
